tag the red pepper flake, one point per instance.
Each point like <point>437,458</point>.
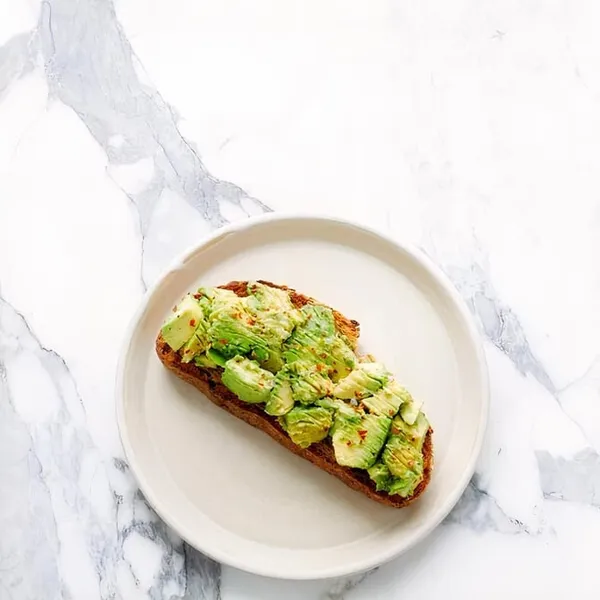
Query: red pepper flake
<point>362,433</point>
<point>392,413</point>
<point>319,367</point>
<point>348,443</point>
<point>223,342</point>
<point>192,322</point>
<point>197,296</point>
<point>251,322</point>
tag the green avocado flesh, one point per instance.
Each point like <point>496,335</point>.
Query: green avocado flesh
<point>306,374</point>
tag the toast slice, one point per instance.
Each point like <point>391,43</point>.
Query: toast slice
<point>208,381</point>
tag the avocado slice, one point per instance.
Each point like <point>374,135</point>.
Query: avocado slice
<point>403,454</point>
<point>401,457</point>
<point>387,400</point>
<point>410,410</point>
<point>362,382</point>
<point>340,358</point>
<point>406,486</point>
<point>204,360</point>
<point>211,359</point>
<point>317,341</point>
<point>309,342</point>
<point>358,438</point>
<point>274,361</point>
<point>273,312</point>
<point>195,345</point>
<point>215,301</point>
<point>180,326</point>
<point>380,474</point>
<point>307,424</point>
<point>216,357</point>
<point>309,381</point>
<point>281,399</point>
<point>415,433</point>
<point>247,380</point>
<point>232,335</point>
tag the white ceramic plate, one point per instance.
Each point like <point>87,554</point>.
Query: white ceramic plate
<point>234,493</point>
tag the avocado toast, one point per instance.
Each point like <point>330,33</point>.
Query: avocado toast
<point>287,365</point>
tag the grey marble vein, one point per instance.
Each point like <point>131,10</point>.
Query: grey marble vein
<point>575,479</point>
<point>28,563</point>
<point>344,586</point>
<point>45,465</point>
<point>98,77</point>
<point>17,58</point>
<point>480,511</point>
<point>499,322</point>
<point>203,581</point>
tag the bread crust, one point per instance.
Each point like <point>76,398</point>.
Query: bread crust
<point>208,381</point>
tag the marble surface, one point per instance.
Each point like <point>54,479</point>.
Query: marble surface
<point>130,129</point>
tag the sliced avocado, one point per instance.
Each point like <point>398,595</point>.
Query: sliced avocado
<point>406,486</point>
<point>403,454</point>
<point>404,460</point>
<point>214,300</point>
<point>309,381</point>
<point>196,344</point>
<point>414,434</point>
<point>310,339</point>
<point>387,400</point>
<point>274,361</point>
<point>317,341</point>
<point>180,326</point>
<point>410,409</point>
<point>210,359</point>
<point>306,425</point>
<point>357,439</point>
<point>231,335</point>
<point>319,320</point>
<point>216,357</point>
<point>380,474</point>
<point>273,311</point>
<point>340,358</point>
<point>364,381</point>
<point>281,400</point>
<point>247,380</point>
<point>204,360</point>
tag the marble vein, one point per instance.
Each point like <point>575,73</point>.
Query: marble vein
<point>16,59</point>
<point>114,98</point>
<point>57,466</point>
<point>344,586</point>
<point>480,511</point>
<point>575,479</point>
<point>500,324</point>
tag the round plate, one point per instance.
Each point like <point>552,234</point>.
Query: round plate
<point>234,493</point>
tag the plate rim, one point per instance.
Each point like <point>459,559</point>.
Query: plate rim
<point>425,262</point>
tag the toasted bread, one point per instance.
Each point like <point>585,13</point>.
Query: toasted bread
<point>321,454</point>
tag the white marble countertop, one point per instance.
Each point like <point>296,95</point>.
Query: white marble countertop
<point>469,128</point>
